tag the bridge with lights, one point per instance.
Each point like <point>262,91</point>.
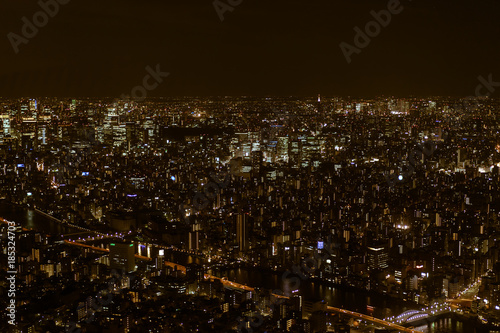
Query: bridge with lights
<point>407,318</point>
<point>424,316</point>
<point>235,285</point>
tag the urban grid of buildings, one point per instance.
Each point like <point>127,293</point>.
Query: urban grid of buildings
<point>393,197</point>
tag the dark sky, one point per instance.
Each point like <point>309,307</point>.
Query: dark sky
<point>263,47</point>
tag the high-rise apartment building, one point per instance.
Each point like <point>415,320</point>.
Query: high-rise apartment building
<point>122,256</point>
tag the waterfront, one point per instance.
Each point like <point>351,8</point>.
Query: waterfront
<point>337,297</point>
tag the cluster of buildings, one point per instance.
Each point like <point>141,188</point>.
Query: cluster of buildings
<point>65,288</point>
<point>267,182</point>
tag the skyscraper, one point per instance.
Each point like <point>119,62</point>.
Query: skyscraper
<point>122,256</point>
<point>377,257</point>
<point>159,260</point>
<point>241,232</point>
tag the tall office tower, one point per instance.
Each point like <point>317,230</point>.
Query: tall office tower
<point>378,257</point>
<point>5,123</point>
<point>294,152</point>
<point>257,157</point>
<point>119,135</point>
<point>311,150</point>
<point>148,127</point>
<point>24,109</point>
<point>392,105</point>
<point>242,231</point>
<point>111,122</point>
<point>160,259</point>
<point>28,133</point>
<point>282,149</point>
<point>296,301</point>
<point>403,106</point>
<point>122,256</point>
<point>461,157</point>
<point>194,237</point>
<point>193,240</point>
<point>33,107</point>
<point>41,131</point>
<point>131,134</point>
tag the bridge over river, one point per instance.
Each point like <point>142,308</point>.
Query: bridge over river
<point>231,284</point>
<point>396,324</point>
<point>418,317</point>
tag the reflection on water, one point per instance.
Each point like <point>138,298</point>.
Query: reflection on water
<point>31,220</point>
<point>445,325</point>
<point>356,301</point>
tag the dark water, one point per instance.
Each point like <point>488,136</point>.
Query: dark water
<point>334,296</point>
<point>352,300</point>
<point>29,219</point>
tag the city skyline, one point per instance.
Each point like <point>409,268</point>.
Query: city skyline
<point>244,166</point>
<point>242,206</point>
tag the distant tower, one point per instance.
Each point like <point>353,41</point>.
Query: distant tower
<point>319,103</point>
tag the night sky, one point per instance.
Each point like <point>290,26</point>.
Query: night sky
<point>263,47</point>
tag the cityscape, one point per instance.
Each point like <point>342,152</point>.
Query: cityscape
<point>254,166</point>
<point>323,214</point>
